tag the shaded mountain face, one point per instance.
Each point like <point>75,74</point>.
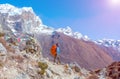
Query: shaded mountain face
<point>112,52</point>
<point>87,54</point>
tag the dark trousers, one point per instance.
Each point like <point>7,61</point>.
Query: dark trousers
<point>58,58</point>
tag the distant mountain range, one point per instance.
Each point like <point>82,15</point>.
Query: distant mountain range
<point>75,47</point>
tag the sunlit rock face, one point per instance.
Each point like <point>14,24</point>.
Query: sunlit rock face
<point>18,19</point>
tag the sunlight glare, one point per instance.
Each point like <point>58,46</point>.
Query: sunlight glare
<point>115,2</point>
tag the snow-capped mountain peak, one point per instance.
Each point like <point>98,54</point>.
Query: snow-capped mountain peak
<point>6,6</point>
<point>11,10</point>
<point>68,31</point>
<point>19,19</point>
<point>109,43</point>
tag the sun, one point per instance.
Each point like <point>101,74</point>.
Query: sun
<point>114,2</point>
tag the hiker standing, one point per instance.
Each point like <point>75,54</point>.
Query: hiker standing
<point>55,51</point>
<point>58,52</point>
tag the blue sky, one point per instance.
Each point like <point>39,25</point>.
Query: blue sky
<point>96,18</point>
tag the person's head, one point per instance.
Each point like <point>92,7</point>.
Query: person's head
<point>57,44</point>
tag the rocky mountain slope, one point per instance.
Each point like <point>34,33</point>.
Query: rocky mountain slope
<point>22,65</point>
<point>16,64</point>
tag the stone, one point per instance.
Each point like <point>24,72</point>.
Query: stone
<point>49,73</point>
<point>76,77</point>
<point>22,76</point>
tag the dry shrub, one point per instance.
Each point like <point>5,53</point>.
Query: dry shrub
<point>43,66</point>
<point>2,34</point>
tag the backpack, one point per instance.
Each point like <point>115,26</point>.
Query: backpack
<point>53,50</point>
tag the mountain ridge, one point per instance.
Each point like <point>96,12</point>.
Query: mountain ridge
<point>41,28</point>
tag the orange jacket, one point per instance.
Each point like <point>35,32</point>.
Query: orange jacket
<point>53,50</point>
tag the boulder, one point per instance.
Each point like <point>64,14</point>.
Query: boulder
<point>49,73</point>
